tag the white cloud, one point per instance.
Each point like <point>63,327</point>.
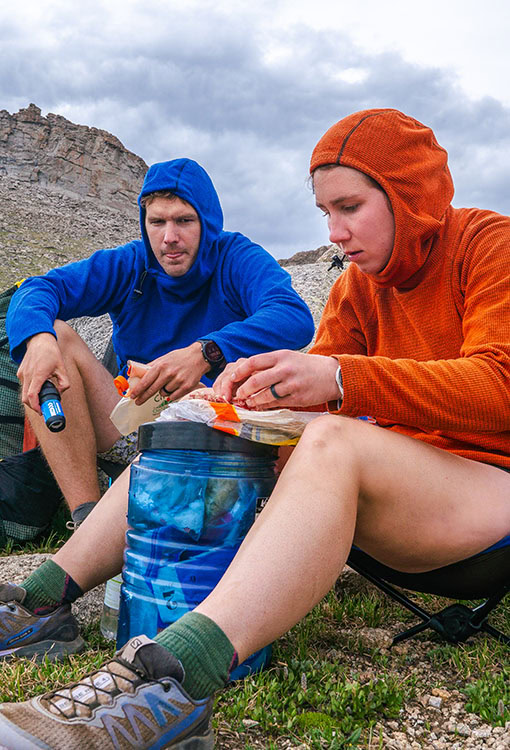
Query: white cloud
<point>247,92</point>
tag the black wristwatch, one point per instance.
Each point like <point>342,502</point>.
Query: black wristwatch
<point>213,355</point>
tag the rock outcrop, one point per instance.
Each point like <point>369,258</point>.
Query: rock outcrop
<point>323,253</point>
<point>304,257</point>
<point>55,153</point>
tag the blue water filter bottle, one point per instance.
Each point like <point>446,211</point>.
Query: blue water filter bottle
<point>192,498</point>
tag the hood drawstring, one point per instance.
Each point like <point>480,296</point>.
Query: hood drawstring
<point>138,291</point>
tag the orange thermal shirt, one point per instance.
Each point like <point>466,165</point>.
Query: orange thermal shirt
<point>426,350</point>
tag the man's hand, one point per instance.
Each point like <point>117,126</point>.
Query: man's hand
<point>298,379</point>
<point>42,361</point>
<point>174,374</point>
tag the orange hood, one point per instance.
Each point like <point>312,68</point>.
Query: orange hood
<point>403,156</point>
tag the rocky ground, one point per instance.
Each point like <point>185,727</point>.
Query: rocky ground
<point>42,229</point>
<point>435,720</point>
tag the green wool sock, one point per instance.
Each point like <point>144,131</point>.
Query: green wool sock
<point>48,587</point>
<point>205,652</point>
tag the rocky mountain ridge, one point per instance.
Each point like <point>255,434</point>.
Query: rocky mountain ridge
<point>55,153</point>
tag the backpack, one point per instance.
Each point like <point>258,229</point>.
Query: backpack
<point>29,494</point>
<point>12,416</point>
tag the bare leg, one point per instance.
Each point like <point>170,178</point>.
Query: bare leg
<point>94,553</point>
<point>87,404</point>
<point>411,506</point>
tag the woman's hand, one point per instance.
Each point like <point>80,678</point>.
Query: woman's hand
<point>225,385</point>
<point>297,379</point>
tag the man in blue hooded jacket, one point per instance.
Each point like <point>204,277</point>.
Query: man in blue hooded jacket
<point>185,299</point>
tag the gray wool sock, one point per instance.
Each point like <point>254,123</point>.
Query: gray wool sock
<point>80,513</point>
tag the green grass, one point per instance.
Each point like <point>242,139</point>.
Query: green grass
<point>329,686</point>
<point>489,697</point>
<point>313,700</point>
<point>21,678</point>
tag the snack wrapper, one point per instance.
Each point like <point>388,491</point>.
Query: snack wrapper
<point>275,427</point>
<point>126,415</point>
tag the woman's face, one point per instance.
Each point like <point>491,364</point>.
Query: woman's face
<point>359,216</point>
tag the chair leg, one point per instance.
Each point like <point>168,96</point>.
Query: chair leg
<point>455,623</point>
<point>391,592</point>
<point>410,632</point>
<point>495,633</point>
<point>481,612</point>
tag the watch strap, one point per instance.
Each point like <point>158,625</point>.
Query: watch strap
<point>213,355</point>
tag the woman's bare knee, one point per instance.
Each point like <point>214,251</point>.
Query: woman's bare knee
<point>325,429</point>
<point>343,437</point>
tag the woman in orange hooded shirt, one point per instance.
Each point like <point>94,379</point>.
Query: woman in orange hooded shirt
<point>416,333</point>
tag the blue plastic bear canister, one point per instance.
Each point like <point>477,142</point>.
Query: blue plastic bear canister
<point>192,498</point>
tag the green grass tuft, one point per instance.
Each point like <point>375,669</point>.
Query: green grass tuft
<point>305,699</point>
<point>489,697</point>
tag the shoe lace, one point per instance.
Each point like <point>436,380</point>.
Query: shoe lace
<point>96,694</point>
<point>101,694</point>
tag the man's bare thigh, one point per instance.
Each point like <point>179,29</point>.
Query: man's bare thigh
<point>100,390</point>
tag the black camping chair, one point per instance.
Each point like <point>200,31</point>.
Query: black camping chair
<point>484,576</point>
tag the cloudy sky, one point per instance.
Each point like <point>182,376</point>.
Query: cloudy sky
<point>247,88</point>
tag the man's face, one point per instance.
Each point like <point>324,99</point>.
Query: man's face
<point>360,219</point>
<point>173,228</point>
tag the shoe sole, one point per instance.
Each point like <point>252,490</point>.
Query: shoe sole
<point>51,651</point>
<point>23,741</point>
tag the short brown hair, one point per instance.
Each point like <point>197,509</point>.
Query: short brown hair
<point>369,179</point>
<point>146,200</point>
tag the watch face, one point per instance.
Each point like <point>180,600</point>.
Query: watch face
<point>212,352</point>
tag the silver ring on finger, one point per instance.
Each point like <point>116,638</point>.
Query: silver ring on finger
<point>272,388</point>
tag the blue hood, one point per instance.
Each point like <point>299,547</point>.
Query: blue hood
<point>188,180</point>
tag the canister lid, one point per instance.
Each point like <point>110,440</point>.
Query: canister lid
<point>198,437</point>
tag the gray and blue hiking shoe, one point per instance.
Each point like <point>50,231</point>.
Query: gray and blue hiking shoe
<point>51,635</point>
<point>134,701</point>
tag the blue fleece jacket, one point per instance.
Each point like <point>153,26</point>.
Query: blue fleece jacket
<point>234,293</point>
